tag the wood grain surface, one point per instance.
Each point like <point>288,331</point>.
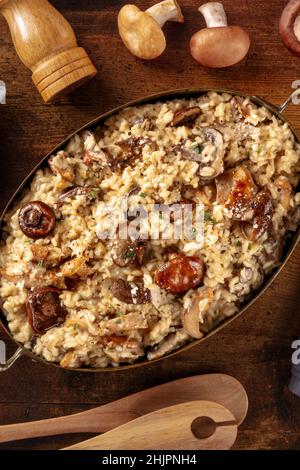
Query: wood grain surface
<point>256,348</point>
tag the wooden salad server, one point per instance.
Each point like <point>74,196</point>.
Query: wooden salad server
<point>219,388</point>
<point>46,44</point>
<point>194,425</point>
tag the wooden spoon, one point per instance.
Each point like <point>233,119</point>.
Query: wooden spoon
<point>220,388</point>
<point>202,425</point>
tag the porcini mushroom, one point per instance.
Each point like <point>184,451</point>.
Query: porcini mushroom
<point>218,45</point>
<point>289,26</point>
<point>141,31</point>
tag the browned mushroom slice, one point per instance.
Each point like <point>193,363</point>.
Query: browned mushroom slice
<point>102,158</point>
<point>87,191</point>
<point>130,292</point>
<point>125,253</point>
<point>45,309</point>
<point>36,219</point>
<point>263,212</point>
<point>76,267</point>
<point>210,154</point>
<point>185,117</point>
<point>191,316</point>
<point>132,149</point>
<point>241,108</point>
<point>180,274</point>
<point>112,340</point>
<point>236,190</point>
<point>59,166</point>
<point>48,255</point>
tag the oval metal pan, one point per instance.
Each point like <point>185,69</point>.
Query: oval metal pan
<point>164,96</point>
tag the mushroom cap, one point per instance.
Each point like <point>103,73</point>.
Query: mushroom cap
<point>220,47</point>
<point>140,33</point>
<point>286,26</point>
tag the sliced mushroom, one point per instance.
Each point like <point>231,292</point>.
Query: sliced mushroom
<point>48,255</point>
<point>36,219</point>
<point>128,253</point>
<point>93,154</point>
<point>236,190</point>
<point>210,154</point>
<point>180,274</point>
<point>132,149</point>
<point>102,158</point>
<point>113,340</point>
<point>87,191</point>
<point>241,283</point>
<point>131,321</point>
<point>263,209</point>
<point>285,191</point>
<point>186,117</point>
<point>241,108</point>
<point>172,342</point>
<point>130,292</point>
<point>191,316</point>
<point>59,166</point>
<point>45,309</point>
<point>76,267</point>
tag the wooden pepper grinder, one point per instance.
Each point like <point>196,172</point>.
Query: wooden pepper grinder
<point>46,44</point>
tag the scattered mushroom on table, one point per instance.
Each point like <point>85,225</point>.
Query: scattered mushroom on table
<point>141,31</point>
<point>218,45</point>
<point>289,27</point>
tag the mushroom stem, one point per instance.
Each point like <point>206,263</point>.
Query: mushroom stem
<point>297,28</point>
<point>214,14</point>
<point>167,10</point>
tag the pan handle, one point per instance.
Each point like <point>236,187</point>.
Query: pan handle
<point>293,96</point>
<point>11,360</point>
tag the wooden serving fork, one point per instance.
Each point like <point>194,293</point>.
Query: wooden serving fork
<point>219,388</point>
<point>195,425</point>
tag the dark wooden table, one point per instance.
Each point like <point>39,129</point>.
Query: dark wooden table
<point>256,348</point>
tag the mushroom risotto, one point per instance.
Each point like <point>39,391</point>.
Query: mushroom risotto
<point>78,299</point>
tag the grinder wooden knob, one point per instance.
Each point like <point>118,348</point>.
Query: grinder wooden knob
<point>46,44</point>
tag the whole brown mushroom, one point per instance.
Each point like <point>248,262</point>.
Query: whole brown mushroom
<point>289,27</point>
<point>218,45</point>
<point>36,219</point>
<point>141,31</point>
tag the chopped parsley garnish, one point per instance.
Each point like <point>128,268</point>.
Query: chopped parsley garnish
<point>129,254</point>
<point>143,195</point>
<point>259,149</point>
<point>238,243</point>
<point>197,149</point>
<point>208,217</point>
<point>59,221</point>
<point>119,313</point>
<point>75,326</point>
<point>95,192</point>
<point>40,265</point>
<point>27,242</point>
<point>250,247</point>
